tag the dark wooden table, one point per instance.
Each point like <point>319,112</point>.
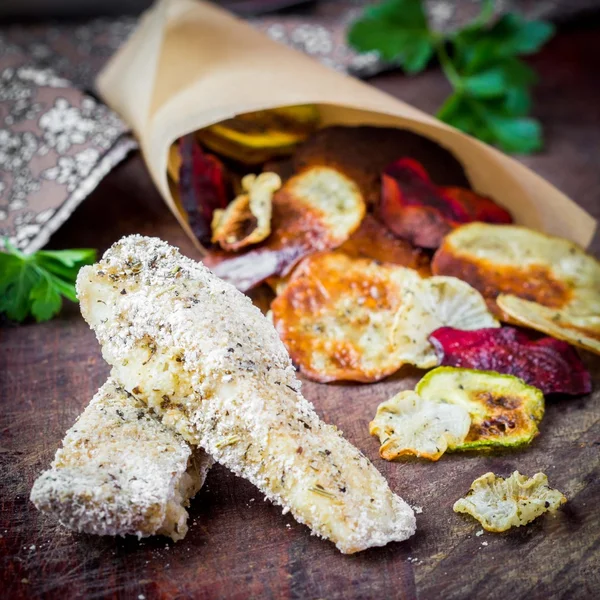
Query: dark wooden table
<point>242,547</point>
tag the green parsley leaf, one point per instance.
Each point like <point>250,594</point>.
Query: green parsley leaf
<point>45,300</point>
<point>522,135</point>
<point>497,81</point>
<point>487,84</point>
<point>519,36</point>
<point>457,112</point>
<point>491,123</point>
<point>516,101</point>
<point>398,31</point>
<point>16,283</point>
<point>491,97</point>
<point>482,45</point>
<point>70,258</point>
<point>34,284</point>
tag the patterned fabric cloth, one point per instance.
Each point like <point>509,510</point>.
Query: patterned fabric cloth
<point>57,142</point>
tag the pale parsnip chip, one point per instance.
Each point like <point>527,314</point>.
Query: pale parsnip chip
<point>577,328</point>
<point>247,219</point>
<point>335,315</point>
<point>541,281</point>
<point>316,210</point>
<point>430,304</point>
<point>409,425</point>
<point>499,504</point>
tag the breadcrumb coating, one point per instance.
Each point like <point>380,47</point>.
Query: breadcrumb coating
<point>197,352</point>
<point>120,471</point>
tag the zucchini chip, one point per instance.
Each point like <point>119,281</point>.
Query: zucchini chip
<point>430,304</point>
<point>504,410</point>
<point>409,425</point>
<point>335,315</point>
<point>255,137</point>
<point>499,504</point>
<point>529,278</point>
<point>247,219</point>
<point>315,210</point>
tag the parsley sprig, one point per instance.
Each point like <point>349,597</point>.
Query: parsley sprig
<point>491,85</point>
<point>34,284</point>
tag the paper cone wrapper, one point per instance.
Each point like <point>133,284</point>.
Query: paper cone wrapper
<point>191,64</point>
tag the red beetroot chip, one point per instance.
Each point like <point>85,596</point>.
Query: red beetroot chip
<point>548,364</point>
<point>416,209</point>
<point>202,187</point>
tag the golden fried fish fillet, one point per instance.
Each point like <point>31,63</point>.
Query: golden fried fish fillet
<point>197,352</point>
<point>120,471</point>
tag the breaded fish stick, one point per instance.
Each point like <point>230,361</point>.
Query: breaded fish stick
<point>120,471</point>
<point>203,357</point>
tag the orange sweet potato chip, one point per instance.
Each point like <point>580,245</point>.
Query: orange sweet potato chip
<point>374,240</point>
<point>336,314</point>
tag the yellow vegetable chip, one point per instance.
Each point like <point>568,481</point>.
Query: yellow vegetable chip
<point>527,277</point>
<point>409,425</point>
<point>255,137</point>
<point>499,504</point>
<point>174,163</point>
<point>336,313</point>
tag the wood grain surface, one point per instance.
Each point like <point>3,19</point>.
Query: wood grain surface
<point>242,547</point>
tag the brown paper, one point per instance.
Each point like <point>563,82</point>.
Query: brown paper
<point>191,64</point>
